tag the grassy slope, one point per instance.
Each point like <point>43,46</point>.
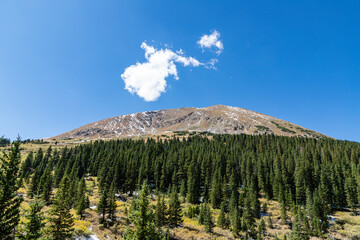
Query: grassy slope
<point>345,226</point>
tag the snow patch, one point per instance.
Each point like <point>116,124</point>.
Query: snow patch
<point>91,237</point>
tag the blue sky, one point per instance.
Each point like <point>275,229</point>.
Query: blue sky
<point>61,61</point>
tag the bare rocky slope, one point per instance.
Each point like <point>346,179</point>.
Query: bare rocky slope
<point>218,119</point>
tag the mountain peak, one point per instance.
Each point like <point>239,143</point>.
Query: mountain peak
<point>217,119</point>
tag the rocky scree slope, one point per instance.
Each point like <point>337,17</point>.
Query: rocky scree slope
<point>218,119</point>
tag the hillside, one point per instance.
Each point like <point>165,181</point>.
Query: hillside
<point>269,185</point>
<point>218,119</point>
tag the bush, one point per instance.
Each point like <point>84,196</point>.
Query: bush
<point>82,228</point>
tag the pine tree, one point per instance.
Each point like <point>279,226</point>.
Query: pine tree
<point>264,208</point>
<point>9,200</point>
<point>103,206</point>
<point>112,203</point>
<point>297,232</point>
<point>87,202</point>
<point>175,212</point>
<point>143,218</point>
<point>318,215</point>
<point>183,189</point>
<point>46,184</point>
<point>61,221</point>
<point>225,195</point>
<point>81,200</point>
<point>249,215</point>
<point>215,195</point>
<point>201,214</point>
<point>193,193</point>
<point>221,221</point>
<point>254,203</point>
<point>208,220</point>
<point>351,193</point>
<point>27,164</point>
<point>262,228</point>
<point>38,158</point>
<point>234,188</point>
<point>35,221</point>
<point>236,222</point>
<point>324,188</point>
<point>34,184</point>
<point>234,200</point>
<point>161,211</point>
<point>284,216</point>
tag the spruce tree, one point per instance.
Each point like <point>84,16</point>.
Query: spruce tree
<point>143,218</point>
<point>103,206</point>
<point>221,221</point>
<point>234,200</point>
<point>34,221</point>
<point>262,227</point>
<point>9,200</point>
<point>236,222</point>
<point>175,212</point>
<point>87,202</point>
<point>351,192</point>
<point>249,215</point>
<point>208,220</point>
<point>38,158</point>
<point>201,214</point>
<point>215,195</point>
<point>81,200</point>
<point>193,193</point>
<point>161,211</point>
<point>112,203</point>
<point>46,184</point>
<point>318,215</point>
<point>27,164</point>
<point>34,184</point>
<point>284,216</point>
<point>60,220</point>
<point>183,189</point>
<point>297,232</point>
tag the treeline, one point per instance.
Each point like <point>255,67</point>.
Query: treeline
<point>308,177</point>
<point>36,141</point>
<point>4,141</point>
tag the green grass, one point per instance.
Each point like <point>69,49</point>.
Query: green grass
<point>262,128</point>
<point>284,129</point>
<point>180,133</point>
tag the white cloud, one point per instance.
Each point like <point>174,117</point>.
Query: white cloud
<point>148,79</point>
<point>210,41</point>
<point>211,63</point>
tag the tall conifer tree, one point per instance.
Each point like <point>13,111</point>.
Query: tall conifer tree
<point>34,221</point>
<point>175,212</point>
<point>61,221</point>
<point>9,200</point>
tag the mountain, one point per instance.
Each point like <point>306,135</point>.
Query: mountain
<point>218,119</point>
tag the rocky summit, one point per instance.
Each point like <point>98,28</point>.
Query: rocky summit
<point>218,119</point>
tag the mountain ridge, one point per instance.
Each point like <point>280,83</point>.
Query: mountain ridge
<point>216,119</point>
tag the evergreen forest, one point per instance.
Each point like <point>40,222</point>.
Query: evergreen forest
<point>225,182</point>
